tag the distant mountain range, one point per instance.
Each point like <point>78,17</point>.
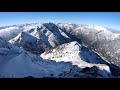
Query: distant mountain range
<point>59,50</point>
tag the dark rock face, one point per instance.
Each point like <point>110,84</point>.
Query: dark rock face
<point>92,71</point>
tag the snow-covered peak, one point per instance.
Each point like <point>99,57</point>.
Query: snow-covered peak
<point>25,64</point>
<point>97,27</point>
<point>23,36</point>
<point>5,44</point>
<point>76,54</point>
<point>60,43</point>
<point>9,33</point>
<point>99,32</point>
<point>28,42</point>
<point>71,51</point>
<point>64,49</point>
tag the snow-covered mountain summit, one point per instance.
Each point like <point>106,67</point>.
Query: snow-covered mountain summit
<point>18,63</point>
<point>76,54</point>
<point>64,45</point>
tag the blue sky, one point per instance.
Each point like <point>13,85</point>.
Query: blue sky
<point>108,19</point>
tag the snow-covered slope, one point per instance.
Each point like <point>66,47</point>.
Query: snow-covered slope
<point>73,52</point>
<point>15,62</point>
<point>39,37</point>
<point>28,42</point>
<point>97,38</point>
<point>103,42</point>
<point>10,32</point>
<point>18,63</point>
<point>48,34</point>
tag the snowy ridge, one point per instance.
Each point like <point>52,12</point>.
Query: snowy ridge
<point>12,31</point>
<point>69,49</point>
<point>18,63</point>
<point>97,27</point>
<point>99,39</point>
<point>71,52</point>
<point>48,35</point>
<point>28,42</point>
<point>99,31</point>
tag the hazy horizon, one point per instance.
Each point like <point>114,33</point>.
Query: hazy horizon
<point>106,19</point>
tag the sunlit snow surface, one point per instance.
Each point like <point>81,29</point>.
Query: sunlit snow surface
<point>22,45</point>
